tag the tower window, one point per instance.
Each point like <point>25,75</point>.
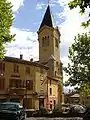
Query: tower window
<point>56,42</point>
<point>45,37</point>
<point>50,91</point>
<point>48,41</point>
<point>45,41</point>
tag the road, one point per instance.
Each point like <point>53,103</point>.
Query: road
<point>54,118</point>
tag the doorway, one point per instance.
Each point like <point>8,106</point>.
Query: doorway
<point>41,102</point>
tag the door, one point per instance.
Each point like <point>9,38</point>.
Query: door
<point>41,102</point>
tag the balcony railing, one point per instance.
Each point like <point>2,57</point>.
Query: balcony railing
<point>42,94</point>
<point>17,90</point>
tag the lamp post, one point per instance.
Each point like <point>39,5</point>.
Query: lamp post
<point>27,83</point>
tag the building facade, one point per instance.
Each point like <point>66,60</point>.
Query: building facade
<point>35,83</point>
<point>20,82</point>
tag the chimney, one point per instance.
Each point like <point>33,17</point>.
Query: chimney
<point>21,56</point>
<point>31,60</point>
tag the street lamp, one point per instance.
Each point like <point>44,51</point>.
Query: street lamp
<point>27,83</point>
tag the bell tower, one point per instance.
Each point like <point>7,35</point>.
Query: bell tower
<point>49,47</point>
<point>49,40</point>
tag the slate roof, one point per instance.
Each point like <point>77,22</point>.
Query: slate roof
<point>47,19</point>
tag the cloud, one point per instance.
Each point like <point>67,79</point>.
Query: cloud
<point>69,29</point>
<point>71,26</point>
<point>25,43</point>
<point>16,4</point>
<point>40,6</point>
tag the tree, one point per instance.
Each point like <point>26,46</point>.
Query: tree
<point>83,4</point>
<point>78,68</point>
<point>6,19</point>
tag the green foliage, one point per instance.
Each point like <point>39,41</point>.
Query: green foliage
<point>57,109</point>
<point>79,67</point>
<point>83,4</point>
<point>6,19</point>
<point>43,111</point>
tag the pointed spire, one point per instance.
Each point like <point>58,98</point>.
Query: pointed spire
<point>48,19</point>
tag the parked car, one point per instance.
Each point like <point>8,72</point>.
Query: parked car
<point>78,110</point>
<point>12,111</point>
<point>70,110</point>
<point>65,108</point>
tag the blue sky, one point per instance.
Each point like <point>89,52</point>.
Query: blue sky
<point>28,16</point>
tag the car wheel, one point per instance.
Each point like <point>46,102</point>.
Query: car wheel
<point>17,118</point>
<point>25,116</point>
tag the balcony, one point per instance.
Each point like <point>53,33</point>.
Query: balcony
<point>42,94</point>
<point>17,91</point>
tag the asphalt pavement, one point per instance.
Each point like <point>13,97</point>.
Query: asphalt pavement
<point>74,118</point>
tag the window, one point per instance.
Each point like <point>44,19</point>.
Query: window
<point>15,83</point>
<point>51,106</point>
<point>48,41</point>
<point>2,83</point>
<point>29,84</point>
<point>50,82</point>
<point>16,68</point>
<point>54,102</point>
<point>50,91</point>
<point>56,42</point>
<point>45,41</point>
<point>28,70</point>
<point>2,67</point>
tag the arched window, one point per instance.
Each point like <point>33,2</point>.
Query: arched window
<point>45,41</point>
<point>48,41</point>
<point>45,37</point>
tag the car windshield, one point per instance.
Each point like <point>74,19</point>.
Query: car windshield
<point>11,107</point>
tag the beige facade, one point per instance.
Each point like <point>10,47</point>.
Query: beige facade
<point>20,81</point>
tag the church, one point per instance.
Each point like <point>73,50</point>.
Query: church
<point>35,83</point>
